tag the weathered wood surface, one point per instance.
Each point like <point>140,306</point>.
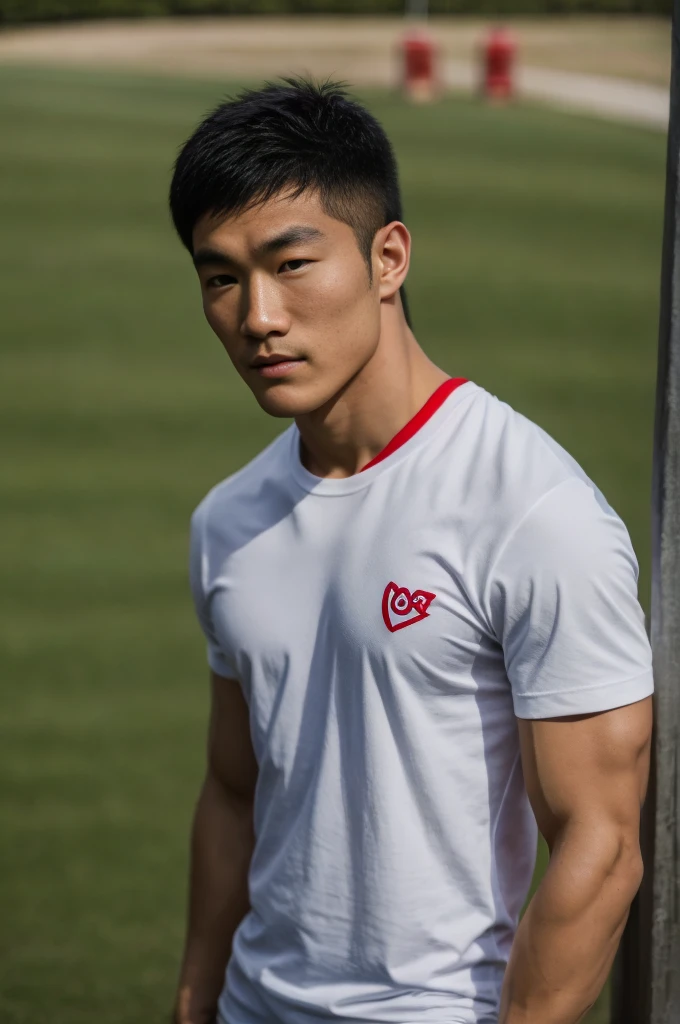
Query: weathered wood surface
<point>647,975</point>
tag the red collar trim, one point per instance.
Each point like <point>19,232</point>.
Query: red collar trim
<point>433,403</point>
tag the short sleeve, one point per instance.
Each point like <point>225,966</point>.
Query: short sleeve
<point>199,564</point>
<point>563,603</point>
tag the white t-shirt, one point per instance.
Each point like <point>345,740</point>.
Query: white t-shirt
<point>386,629</point>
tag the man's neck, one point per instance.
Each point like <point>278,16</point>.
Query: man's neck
<point>339,439</point>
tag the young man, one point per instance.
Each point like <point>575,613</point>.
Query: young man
<point>422,626</point>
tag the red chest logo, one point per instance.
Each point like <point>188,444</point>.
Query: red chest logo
<point>402,608</point>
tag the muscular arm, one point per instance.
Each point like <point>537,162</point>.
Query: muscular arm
<point>586,778</point>
<point>221,848</point>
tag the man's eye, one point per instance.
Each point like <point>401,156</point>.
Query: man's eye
<point>293,264</point>
<point>220,280</point>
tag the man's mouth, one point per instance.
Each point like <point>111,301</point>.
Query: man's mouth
<point>276,365</point>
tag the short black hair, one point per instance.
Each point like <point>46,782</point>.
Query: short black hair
<point>294,136</point>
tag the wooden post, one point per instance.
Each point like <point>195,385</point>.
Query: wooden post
<point>647,975</point>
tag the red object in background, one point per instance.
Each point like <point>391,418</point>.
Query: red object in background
<point>419,58</point>
<point>499,64</point>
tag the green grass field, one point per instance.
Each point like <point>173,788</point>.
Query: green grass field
<point>537,241</point>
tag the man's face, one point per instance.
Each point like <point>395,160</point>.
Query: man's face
<point>284,279</point>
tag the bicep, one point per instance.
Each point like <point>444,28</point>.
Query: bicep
<point>589,768</point>
<point>231,759</point>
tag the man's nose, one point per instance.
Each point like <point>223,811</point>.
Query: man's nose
<point>263,309</point>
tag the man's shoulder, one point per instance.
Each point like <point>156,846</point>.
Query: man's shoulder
<point>515,461</point>
<point>237,497</point>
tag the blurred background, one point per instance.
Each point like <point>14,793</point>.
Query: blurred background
<point>532,165</point>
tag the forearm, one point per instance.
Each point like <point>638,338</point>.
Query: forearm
<point>567,939</point>
<point>221,849</point>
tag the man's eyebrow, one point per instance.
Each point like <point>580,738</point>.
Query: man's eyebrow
<point>203,256</point>
<point>291,236</point>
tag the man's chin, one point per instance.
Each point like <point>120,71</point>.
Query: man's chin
<point>286,401</point>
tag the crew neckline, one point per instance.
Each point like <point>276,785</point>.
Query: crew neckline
<point>415,432</point>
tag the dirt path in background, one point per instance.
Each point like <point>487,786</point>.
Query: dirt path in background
<point>618,67</point>
<point>361,49</point>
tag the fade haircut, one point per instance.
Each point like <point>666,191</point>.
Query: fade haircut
<point>294,137</point>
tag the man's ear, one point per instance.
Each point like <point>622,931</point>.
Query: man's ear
<point>391,257</point>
